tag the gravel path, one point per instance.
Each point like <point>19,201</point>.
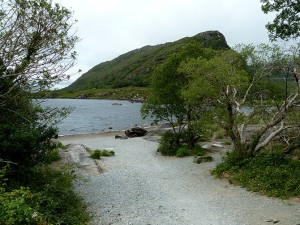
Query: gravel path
<point>142,187</point>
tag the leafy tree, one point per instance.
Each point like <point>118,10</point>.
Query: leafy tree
<point>166,101</point>
<point>36,50</point>
<point>287,22</point>
<point>234,103</point>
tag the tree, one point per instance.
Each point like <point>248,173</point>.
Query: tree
<point>166,101</point>
<point>287,22</point>
<point>35,46</point>
<point>240,99</point>
<point>36,50</point>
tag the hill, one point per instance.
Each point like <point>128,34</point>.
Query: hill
<point>135,67</point>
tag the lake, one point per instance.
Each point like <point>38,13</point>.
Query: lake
<point>94,116</point>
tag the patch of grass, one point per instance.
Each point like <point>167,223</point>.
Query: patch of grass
<point>220,134</point>
<point>183,151</point>
<point>52,156</point>
<point>60,145</point>
<point>106,153</point>
<point>98,153</point>
<point>273,174</point>
<point>198,151</point>
<point>227,142</point>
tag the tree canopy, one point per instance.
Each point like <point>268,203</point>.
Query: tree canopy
<point>239,95</point>
<point>287,22</point>
<point>36,50</point>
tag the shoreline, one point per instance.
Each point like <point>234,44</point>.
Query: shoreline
<point>103,134</point>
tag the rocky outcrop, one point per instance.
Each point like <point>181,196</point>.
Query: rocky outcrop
<point>77,155</point>
<point>213,39</point>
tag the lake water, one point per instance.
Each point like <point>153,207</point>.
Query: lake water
<point>93,116</point>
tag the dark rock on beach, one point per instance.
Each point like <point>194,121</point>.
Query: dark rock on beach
<point>135,132</point>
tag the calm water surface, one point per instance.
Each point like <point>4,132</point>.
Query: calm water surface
<point>93,116</point>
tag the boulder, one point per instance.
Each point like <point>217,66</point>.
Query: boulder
<point>135,132</point>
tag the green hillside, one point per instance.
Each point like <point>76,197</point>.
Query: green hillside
<point>135,67</point>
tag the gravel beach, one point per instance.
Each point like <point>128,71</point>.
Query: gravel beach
<point>142,187</point>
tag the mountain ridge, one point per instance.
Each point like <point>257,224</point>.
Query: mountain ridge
<point>135,67</point>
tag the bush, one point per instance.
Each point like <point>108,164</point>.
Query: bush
<point>169,143</point>
<point>198,151</point>
<point>52,191</point>
<point>26,146</point>
<point>52,156</point>
<point>274,174</point>
<point>98,153</point>
<point>106,153</point>
<point>183,151</point>
<point>15,205</point>
<point>15,208</point>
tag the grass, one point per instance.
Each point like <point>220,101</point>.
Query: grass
<point>273,174</point>
<point>104,153</point>
<point>183,151</point>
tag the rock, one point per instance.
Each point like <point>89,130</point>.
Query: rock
<point>205,146</point>
<point>136,132</point>
<point>77,155</point>
<point>217,145</point>
<point>120,137</point>
<point>213,39</point>
<point>202,159</point>
<point>274,221</point>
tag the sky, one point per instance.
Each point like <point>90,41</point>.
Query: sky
<point>109,28</point>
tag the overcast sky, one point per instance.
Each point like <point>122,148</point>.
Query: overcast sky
<point>108,28</point>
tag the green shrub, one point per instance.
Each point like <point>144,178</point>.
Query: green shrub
<point>60,145</point>
<point>15,205</point>
<point>106,153</point>
<point>98,153</point>
<point>183,151</point>
<point>54,194</point>
<point>15,208</point>
<point>274,174</point>
<point>169,143</point>
<point>198,151</point>
<point>24,145</point>
<point>52,156</point>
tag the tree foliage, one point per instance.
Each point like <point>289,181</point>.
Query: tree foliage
<point>36,50</point>
<point>287,22</point>
<point>239,96</point>
<point>166,101</point>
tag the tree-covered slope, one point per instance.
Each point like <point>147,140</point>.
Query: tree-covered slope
<point>135,67</point>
